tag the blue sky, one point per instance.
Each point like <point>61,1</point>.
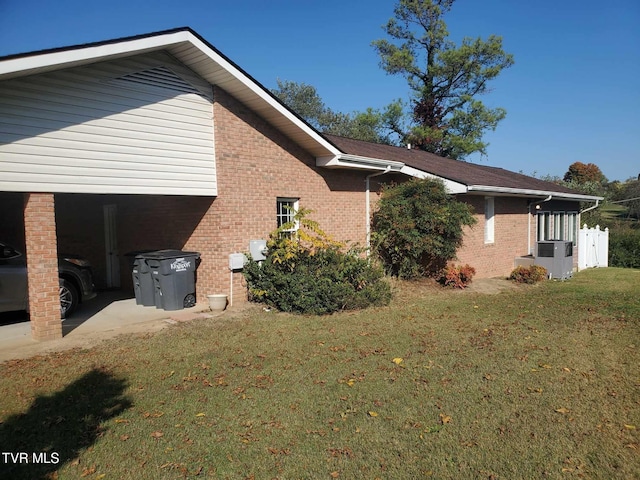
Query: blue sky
<point>572,95</point>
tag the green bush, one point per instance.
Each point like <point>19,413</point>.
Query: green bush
<point>531,274</point>
<point>624,248</point>
<point>418,228</point>
<point>457,276</point>
<point>310,273</point>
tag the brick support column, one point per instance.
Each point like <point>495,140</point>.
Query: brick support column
<point>42,266</point>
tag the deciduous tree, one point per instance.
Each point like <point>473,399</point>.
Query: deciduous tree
<point>582,173</point>
<point>306,102</point>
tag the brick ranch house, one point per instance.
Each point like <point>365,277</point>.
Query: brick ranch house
<point>160,141</point>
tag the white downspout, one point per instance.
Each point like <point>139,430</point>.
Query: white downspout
<point>593,208</point>
<point>368,206</point>
<point>529,222</point>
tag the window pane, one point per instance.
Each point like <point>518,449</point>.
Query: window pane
<point>489,220</point>
<point>285,212</point>
<point>544,226</point>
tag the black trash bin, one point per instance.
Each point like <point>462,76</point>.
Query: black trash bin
<point>143,282</point>
<point>174,278</point>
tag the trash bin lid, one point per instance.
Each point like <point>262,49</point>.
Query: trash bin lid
<point>167,254</point>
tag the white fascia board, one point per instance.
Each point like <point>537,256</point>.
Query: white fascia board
<point>533,193</point>
<point>450,186</point>
<point>22,66</point>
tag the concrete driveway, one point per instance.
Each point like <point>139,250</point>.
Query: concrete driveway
<point>107,315</point>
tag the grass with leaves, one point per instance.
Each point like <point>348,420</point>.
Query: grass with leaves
<point>534,382</point>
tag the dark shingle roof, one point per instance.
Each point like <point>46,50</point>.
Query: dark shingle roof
<point>469,174</point>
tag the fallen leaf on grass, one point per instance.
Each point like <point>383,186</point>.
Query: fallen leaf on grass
<point>157,434</point>
<point>334,474</point>
<point>351,382</point>
<point>562,410</point>
<point>200,414</point>
<point>88,471</point>
<point>397,360</point>
<point>124,437</point>
<point>629,427</point>
<point>372,414</point>
<point>445,418</point>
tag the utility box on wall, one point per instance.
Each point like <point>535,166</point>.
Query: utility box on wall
<point>557,257</point>
<point>258,250</point>
<point>237,261</point>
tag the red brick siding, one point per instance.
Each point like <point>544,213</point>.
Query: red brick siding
<point>256,164</point>
<point>42,266</point>
<point>510,236</point>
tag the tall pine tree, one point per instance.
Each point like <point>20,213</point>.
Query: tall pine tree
<point>445,116</point>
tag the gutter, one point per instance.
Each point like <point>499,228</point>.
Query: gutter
<point>346,160</point>
<point>537,193</point>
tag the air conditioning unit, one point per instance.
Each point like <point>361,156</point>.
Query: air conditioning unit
<point>557,257</point>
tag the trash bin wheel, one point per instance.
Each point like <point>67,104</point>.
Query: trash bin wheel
<point>189,301</point>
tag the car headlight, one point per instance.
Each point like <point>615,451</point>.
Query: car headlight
<point>81,262</point>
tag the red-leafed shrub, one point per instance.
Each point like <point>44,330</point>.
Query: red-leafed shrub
<point>530,274</point>
<point>457,276</point>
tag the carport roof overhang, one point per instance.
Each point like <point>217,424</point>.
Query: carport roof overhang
<point>193,51</point>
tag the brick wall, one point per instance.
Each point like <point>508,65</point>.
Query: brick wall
<point>495,259</point>
<point>256,164</point>
<point>42,266</point>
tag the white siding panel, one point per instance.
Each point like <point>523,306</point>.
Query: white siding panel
<point>108,128</point>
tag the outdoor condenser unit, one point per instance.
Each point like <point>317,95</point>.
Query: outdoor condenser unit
<point>557,257</point>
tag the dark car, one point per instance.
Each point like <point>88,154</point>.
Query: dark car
<point>75,277</point>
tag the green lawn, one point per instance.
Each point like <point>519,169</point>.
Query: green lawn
<point>534,382</point>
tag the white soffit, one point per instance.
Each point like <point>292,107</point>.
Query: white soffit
<point>195,53</point>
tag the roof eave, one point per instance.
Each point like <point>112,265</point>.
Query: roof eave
<point>345,160</point>
<point>533,193</point>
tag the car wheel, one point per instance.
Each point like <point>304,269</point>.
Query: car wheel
<point>68,298</point>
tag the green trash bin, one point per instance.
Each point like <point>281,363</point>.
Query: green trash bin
<point>174,278</point>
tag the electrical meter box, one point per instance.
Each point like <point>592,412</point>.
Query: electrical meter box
<point>237,261</point>
<point>258,249</point>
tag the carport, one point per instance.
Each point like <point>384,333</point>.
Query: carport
<point>101,228</point>
<point>104,150</point>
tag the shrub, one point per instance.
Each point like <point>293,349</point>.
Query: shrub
<point>531,274</point>
<point>310,273</point>
<point>457,276</point>
<point>418,228</point>
<point>624,248</point>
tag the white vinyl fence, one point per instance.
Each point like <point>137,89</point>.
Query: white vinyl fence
<point>593,247</point>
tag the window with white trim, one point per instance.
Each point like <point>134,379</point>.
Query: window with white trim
<point>286,209</point>
<point>557,226</point>
<point>489,219</point>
